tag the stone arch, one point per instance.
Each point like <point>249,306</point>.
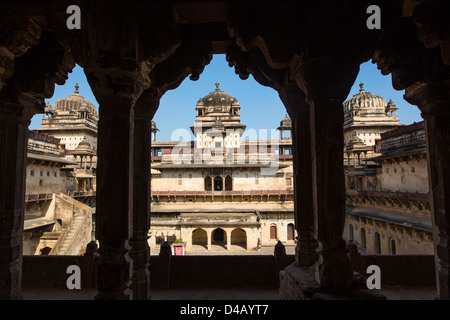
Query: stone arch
<point>200,237</point>
<point>219,237</point>
<point>239,238</point>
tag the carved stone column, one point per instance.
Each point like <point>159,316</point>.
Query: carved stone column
<point>145,108</point>
<point>22,96</point>
<point>117,89</point>
<point>326,86</point>
<point>14,122</point>
<point>294,100</point>
<point>433,99</point>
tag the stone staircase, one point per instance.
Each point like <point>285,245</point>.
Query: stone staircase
<point>68,239</point>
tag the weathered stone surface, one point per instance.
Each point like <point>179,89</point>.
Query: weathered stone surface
<point>297,283</point>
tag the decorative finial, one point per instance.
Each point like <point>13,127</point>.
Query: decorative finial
<point>76,88</point>
<point>361,87</point>
<point>217,86</point>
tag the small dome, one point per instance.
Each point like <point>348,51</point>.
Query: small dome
<point>154,128</point>
<point>286,122</point>
<point>356,144</point>
<point>48,108</point>
<point>84,143</point>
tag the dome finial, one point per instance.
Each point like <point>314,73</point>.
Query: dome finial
<point>361,87</point>
<point>217,86</point>
<point>76,88</point>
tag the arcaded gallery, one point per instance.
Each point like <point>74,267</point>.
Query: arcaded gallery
<point>309,52</point>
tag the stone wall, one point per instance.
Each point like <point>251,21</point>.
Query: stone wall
<point>408,240</point>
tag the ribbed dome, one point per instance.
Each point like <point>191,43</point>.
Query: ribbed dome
<point>217,98</point>
<point>74,103</point>
<point>365,103</point>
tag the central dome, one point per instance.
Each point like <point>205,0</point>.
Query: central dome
<point>75,103</point>
<point>218,98</point>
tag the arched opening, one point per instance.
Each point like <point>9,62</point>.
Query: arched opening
<point>200,237</point>
<point>350,233</point>
<point>377,244</point>
<point>45,251</point>
<point>218,183</point>
<point>239,238</point>
<point>119,207</point>
<point>228,183</point>
<point>159,237</point>
<point>393,247</point>
<point>290,231</point>
<point>208,184</point>
<point>219,237</point>
<point>273,232</point>
<point>363,238</point>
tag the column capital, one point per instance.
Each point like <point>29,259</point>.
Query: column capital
<point>118,82</point>
<point>325,78</point>
<point>294,99</point>
<point>432,98</point>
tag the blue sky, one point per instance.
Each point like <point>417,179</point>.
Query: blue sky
<point>261,107</point>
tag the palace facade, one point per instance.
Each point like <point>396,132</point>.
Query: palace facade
<point>221,192</point>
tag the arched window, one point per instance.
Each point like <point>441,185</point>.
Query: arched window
<point>273,232</point>
<point>208,184</point>
<point>377,243</point>
<point>228,183</point>
<point>218,184</point>
<point>393,247</point>
<point>350,232</point>
<point>290,231</point>
<point>363,238</point>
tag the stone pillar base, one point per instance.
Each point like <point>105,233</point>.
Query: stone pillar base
<point>298,283</point>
